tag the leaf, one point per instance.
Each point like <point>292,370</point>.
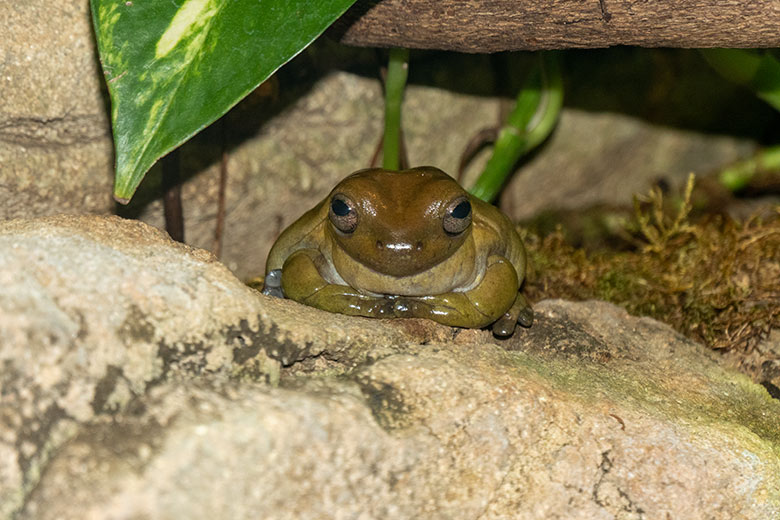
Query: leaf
<point>175,66</point>
<point>757,69</point>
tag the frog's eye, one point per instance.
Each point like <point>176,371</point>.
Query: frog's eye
<point>342,213</point>
<point>458,216</point>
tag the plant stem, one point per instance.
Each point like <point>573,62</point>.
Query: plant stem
<point>223,174</point>
<point>397,71</point>
<point>738,175</point>
<point>172,207</point>
<point>759,71</point>
<point>537,109</point>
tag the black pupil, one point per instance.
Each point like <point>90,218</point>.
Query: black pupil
<point>462,210</point>
<point>339,207</point>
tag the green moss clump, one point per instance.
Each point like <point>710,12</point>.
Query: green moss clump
<point>716,280</point>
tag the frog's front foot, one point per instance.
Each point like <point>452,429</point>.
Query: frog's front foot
<point>272,285</point>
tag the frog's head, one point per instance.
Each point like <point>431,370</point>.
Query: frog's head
<point>399,223</point>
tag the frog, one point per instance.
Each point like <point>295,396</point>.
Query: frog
<point>404,244</point>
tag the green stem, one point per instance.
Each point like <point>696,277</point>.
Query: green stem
<point>737,176</point>
<point>760,72</point>
<point>397,71</point>
<point>533,118</point>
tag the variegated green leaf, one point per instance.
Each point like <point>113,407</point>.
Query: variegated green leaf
<point>175,66</point>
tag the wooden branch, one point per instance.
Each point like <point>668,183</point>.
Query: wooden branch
<point>501,25</point>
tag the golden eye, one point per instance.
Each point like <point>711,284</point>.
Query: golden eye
<point>342,213</point>
<point>458,216</point>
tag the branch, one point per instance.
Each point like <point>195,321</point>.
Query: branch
<point>501,25</point>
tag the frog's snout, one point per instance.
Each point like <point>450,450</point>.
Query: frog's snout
<point>399,247</point>
<point>398,256</point>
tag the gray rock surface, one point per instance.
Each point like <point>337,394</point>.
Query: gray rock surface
<point>55,136</point>
<point>141,379</point>
<point>607,158</point>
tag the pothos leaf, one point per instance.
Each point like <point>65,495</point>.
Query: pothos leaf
<point>175,66</point>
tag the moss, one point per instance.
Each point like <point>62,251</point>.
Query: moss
<point>614,283</point>
<point>715,280</point>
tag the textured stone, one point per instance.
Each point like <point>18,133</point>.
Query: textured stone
<point>639,155</point>
<point>55,139</point>
<point>96,310</point>
<point>140,380</point>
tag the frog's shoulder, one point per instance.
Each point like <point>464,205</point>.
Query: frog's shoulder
<point>490,221</point>
<point>494,233</point>
<point>306,232</point>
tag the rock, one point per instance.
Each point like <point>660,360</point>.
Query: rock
<point>762,363</point>
<point>56,152</point>
<point>141,379</point>
<point>577,152</point>
<point>95,310</point>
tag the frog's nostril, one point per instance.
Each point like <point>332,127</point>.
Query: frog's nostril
<point>379,244</point>
<point>419,246</point>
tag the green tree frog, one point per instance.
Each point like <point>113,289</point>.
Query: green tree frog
<point>408,244</point>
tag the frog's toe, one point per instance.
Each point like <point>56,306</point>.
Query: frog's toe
<point>526,317</point>
<point>504,326</point>
<point>523,311</point>
<point>272,285</point>
<point>520,312</point>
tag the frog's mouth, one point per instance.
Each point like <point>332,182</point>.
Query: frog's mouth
<point>397,254</point>
<point>402,257</point>
<point>397,258</point>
